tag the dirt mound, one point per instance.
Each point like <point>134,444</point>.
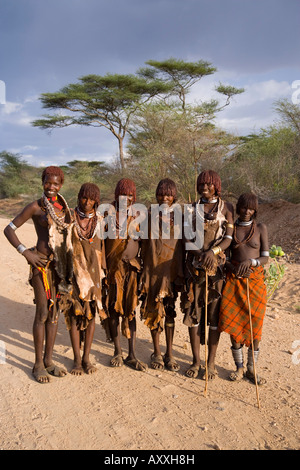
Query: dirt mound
<point>283,221</point>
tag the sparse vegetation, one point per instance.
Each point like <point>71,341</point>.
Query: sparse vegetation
<point>273,276</point>
<point>166,137</point>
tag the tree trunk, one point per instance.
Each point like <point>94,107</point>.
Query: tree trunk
<point>195,170</point>
<point>121,154</point>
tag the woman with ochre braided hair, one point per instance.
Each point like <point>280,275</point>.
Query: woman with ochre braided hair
<point>249,252</point>
<point>123,266</point>
<point>85,302</point>
<point>217,219</point>
<point>162,277</point>
<point>50,265</point>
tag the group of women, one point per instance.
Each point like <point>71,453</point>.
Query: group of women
<point>76,270</point>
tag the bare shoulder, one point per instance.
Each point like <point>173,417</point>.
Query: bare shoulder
<point>27,213</point>
<point>262,227</point>
<point>33,207</point>
<point>263,230</point>
<point>229,210</point>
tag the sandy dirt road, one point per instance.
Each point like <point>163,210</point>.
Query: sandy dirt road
<point>121,409</point>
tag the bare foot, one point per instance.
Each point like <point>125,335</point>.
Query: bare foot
<point>117,360</point>
<point>77,369</point>
<point>56,371</point>
<point>41,375</point>
<point>89,368</point>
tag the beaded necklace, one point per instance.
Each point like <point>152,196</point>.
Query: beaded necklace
<point>51,211</point>
<point>83,215</point>
<point>92,224</point>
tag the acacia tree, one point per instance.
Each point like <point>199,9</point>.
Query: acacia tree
<point>183,75</point>
<point>177,138</point>
<point>110,101</point>
<point>166,142</point>
<point>100,101</point>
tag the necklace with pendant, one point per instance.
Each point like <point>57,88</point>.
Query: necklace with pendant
<point>210,215</point>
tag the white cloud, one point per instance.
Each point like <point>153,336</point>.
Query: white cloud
<point>245,125</point>
<point>17,113</point>
<point>251,110</point>
<point>262,91</point>
<point>32,99</point>
<point>24,149</point>
<point>29,147</point>
<point>11,108</point>
<point>255,91</point>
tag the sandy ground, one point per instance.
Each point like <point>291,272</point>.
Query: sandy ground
<point>121,409</point>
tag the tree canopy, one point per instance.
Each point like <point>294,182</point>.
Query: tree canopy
<point>100,101</point>
<point>183,75</point>
<point>111,100</point>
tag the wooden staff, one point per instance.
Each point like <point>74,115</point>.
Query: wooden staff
<point>252,343</point>
<point>205,329</point>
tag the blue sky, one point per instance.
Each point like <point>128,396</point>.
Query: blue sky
<point>45,45</point>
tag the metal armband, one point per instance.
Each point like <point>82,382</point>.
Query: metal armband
<point>265,253</point>
<point>12,226</point>
<point>21,248</point>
